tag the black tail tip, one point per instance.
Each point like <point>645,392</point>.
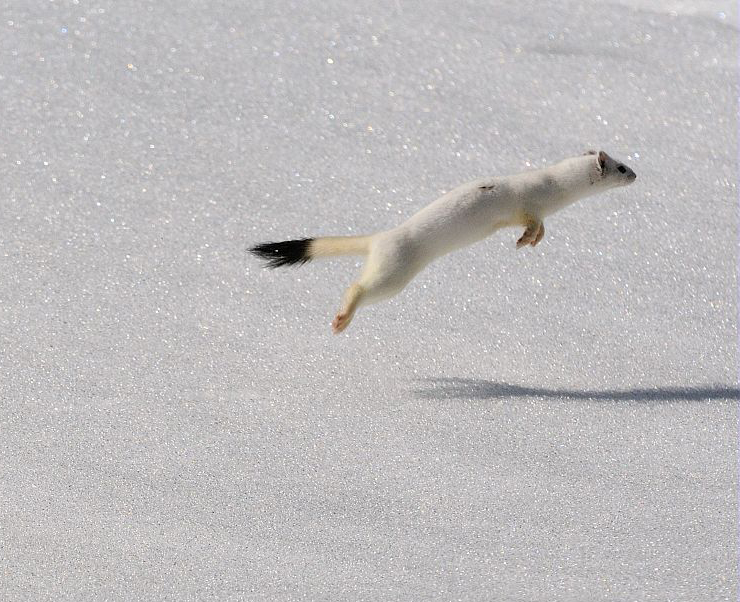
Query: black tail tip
<point>287,252</point>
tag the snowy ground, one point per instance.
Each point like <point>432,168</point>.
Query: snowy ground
<point>552,424</point>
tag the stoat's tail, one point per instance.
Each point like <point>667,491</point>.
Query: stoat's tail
<point>291,252</point>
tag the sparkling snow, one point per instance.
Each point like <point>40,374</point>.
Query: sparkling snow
<point>552,424</point>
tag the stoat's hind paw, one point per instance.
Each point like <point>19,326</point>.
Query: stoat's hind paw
<point>341,321</point>
<point>350,302</point>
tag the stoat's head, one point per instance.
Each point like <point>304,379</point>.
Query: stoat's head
<point>610,172</point>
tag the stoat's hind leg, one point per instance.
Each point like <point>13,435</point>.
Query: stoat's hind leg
<point>533,233</point>
<point>346,312</point>
<point>388,269</point>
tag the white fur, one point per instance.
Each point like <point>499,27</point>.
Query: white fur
<point>467,214</point>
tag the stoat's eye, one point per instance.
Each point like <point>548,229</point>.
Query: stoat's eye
<point>622,169</point>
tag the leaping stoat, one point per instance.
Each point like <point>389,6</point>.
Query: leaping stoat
<point>461,217</point>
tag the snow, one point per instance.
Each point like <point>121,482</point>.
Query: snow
<point>557,423</point>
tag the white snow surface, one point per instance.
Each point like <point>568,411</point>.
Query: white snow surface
<point>549,424</point>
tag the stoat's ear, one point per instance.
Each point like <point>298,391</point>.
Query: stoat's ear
<point>602,160</point>
<point>589,152</point>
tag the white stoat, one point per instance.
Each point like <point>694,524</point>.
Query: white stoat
<point>461,217</point>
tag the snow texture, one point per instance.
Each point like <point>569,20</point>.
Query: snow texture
<point>549,424</point>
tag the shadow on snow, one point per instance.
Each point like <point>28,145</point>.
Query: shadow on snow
<point>472,388</point>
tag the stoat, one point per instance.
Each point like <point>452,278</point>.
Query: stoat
<point>459,218</point>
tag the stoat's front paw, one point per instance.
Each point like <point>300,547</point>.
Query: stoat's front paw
<point>540,235</point>
<point>532,235</point>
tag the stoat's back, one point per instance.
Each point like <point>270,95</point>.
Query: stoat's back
<point>462,216</point>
